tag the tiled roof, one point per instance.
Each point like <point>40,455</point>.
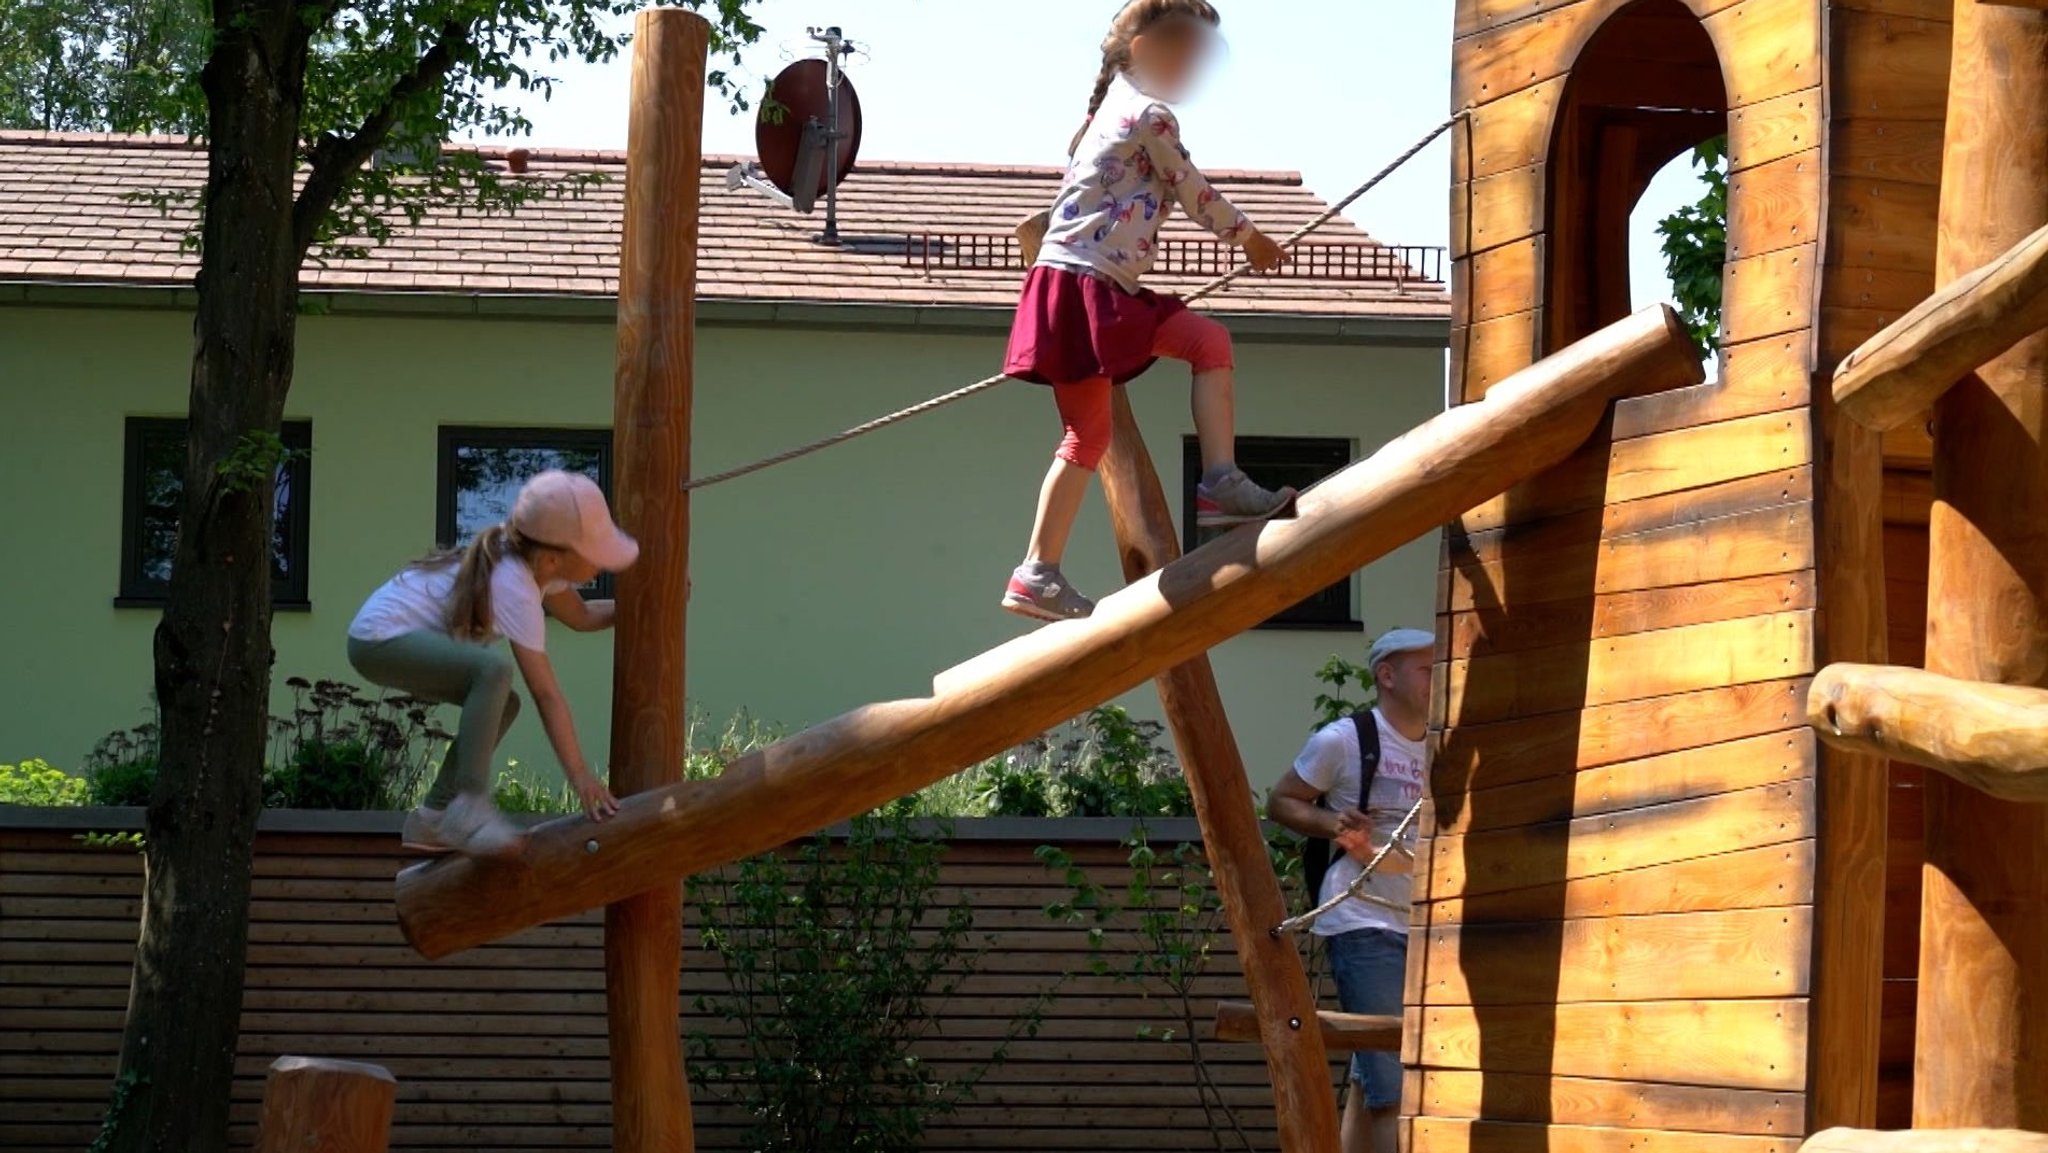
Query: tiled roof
<point>70,213</point>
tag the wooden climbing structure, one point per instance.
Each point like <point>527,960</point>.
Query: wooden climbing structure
<point>1655,910</point>
<point>1652,905</point>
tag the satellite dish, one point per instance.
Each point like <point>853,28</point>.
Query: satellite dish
<point>795,145</point>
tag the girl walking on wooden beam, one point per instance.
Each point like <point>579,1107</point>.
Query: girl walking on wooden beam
<point>1083,323</point>
<point>429,631</point>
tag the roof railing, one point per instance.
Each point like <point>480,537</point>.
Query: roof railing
<point>1344,262</point>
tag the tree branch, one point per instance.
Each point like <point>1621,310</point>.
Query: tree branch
<point>336,158</point>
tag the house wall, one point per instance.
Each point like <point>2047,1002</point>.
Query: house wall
<point>848,577</point>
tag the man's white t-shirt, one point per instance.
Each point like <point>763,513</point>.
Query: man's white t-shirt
<point>1330,765</point>
<point>416,600</point>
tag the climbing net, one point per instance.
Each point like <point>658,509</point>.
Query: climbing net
<point>944,399</point>
<point>1356,889</point>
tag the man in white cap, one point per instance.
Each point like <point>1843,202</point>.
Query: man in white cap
<point>1353,782</point>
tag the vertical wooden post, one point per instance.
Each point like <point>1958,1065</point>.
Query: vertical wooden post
<point>314,1105</point>
<point>643,935</point>
<point>1232,839</point>
<point>1983,1015</point>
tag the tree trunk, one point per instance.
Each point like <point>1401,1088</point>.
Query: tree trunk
<point>213,645</point>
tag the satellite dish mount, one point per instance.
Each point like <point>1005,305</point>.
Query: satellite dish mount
<point>808,135</point>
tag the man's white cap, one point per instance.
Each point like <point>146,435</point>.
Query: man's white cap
<point>567,510</point>
<point>1395,642</point>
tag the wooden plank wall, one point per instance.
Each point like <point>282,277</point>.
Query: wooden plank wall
<point>503,1048</point>
<point>1617,933</point>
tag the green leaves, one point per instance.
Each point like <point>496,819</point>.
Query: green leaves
<point>102,65</point>
<point>1696,247</point>
<point>1340,674</point>
<point>838,955</point>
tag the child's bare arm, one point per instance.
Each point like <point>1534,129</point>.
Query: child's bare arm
<point>560,725</point>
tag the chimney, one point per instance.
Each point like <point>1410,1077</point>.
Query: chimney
<point>516,160</point>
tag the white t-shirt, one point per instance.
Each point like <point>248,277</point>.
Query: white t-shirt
<point>1330,765</point>
<point>416,600</point>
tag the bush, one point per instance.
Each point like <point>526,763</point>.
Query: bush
<point>1333,706</point>
<point>513,794</point>
<point>121,769</point>
<point>1159,935</point>
<point>1101,765</point>
<point>839,957</point>
<point>33,782</point>
<point>342,750</point>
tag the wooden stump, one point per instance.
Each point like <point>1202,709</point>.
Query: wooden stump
<point>643,934</point>
<point>315,1105</point>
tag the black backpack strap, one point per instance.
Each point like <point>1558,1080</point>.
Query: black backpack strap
<point>1317,853</point>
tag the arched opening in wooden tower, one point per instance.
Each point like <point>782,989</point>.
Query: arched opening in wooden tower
<point>1646,89</point>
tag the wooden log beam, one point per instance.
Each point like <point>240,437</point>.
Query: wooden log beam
<point>1927,1140</point>
<point>315,1105</point>
<point>1233,840</point>
<point>1993,738</point>
<point>1983,993</point>
<point>1341,1032</point>
<point>651,405</point>
<point>854,762</point>
<point>1898,374</point>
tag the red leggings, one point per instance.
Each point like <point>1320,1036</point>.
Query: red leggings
<point>1084,405</point>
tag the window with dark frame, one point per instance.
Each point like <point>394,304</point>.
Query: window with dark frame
<point>153,493</point>
<point>481,470</point>
<point>1277,461</point>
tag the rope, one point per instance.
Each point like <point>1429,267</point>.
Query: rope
<point>1357,886</point>
<point>984,385</point>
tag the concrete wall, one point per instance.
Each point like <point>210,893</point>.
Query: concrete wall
<point>848,577</point>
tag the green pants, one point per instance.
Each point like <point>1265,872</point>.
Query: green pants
<point>436,667</point>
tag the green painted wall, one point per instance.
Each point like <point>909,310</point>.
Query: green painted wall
<point>845,578</point>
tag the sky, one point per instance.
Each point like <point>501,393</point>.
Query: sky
<point>1332,89</point>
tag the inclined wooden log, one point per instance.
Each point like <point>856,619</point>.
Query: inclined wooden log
<point>1340,1032</point>
<point>1926,1141</point>
<point>1993,738</point>
<point>317,1105</point>
<point>1897,375</point>
<point>1233,840</point>
<point>652,395</point>
<point>871,755</point>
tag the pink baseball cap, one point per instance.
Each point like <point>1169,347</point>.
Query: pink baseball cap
<point>567,510</point>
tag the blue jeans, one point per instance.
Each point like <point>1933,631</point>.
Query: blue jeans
<point>1371,967</point>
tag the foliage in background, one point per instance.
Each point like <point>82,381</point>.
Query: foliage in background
<point>1103,764</point>
<point>101,65</point>
<point>1696,247</point>
<point>841,957</point>
<point>121,769</point>
<point>1160,934</point>
<point>340,749</point>
<point>1343,677</point>
<point>34,782</point>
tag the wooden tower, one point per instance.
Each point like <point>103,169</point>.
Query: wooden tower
<point>1654,901</point>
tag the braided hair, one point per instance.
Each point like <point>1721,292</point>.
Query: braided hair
<point>1136,18</point>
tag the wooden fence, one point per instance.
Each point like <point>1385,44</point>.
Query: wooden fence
<point>503,1048</point>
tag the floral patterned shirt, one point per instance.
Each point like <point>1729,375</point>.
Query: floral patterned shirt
<point>1123,181</point>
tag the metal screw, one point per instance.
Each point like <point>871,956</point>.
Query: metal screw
<point>590,847</point>
<point>1294,1023</point>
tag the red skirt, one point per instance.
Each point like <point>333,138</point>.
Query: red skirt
<point>1072,327</point>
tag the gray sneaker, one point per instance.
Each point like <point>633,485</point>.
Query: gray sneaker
<point>1234,500</point>
<point>470,825</point>
<point>1040,591</point>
